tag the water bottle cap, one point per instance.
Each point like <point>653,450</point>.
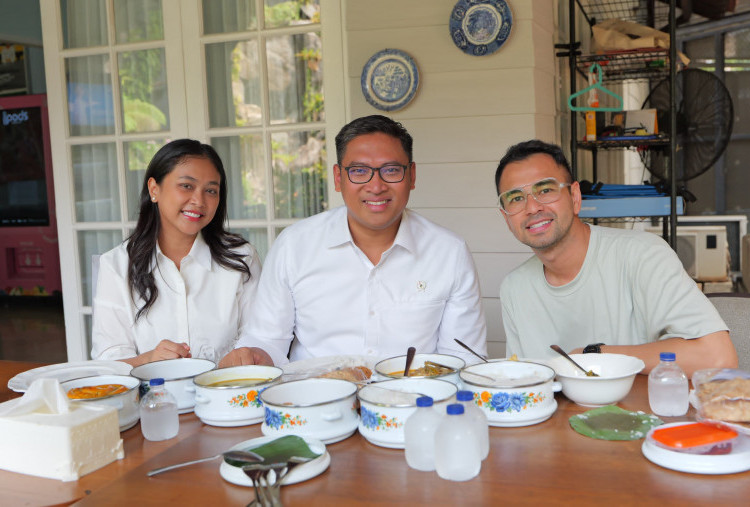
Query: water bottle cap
<point>424,401</point>
<point>455,409</point>
<point>156,382</point>
<point>667,356</point>
<point>465,396</point>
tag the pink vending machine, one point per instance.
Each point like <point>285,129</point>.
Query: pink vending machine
<point>29,255</point>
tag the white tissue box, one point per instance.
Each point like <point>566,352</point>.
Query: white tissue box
<point>61,446</point>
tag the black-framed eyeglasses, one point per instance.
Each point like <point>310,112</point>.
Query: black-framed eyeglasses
<point>544,191</point>
<point>390,173</point>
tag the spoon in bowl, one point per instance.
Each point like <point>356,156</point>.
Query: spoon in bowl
<point>470,350</point>
<point>409,358</point>
<point>560,351</point>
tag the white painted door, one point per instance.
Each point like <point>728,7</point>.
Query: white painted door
<point>126,76</point>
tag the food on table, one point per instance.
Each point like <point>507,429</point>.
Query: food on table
<point>695,438</point>
<point>239,382</point>
<point>513,358</point>
<point>726,400</point>
<point>352,374</point>
<point>428,370</point>
<point>99,391</point>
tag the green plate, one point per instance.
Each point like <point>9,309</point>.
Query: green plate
<point>613,423</point>
<point>279,450</point>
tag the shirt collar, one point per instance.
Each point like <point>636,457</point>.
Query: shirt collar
<point>199,252</point>
<point>340,234</point>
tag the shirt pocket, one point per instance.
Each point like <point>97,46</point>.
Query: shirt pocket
<point>412,323</point>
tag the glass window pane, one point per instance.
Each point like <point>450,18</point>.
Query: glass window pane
<point>244,163</point>
<point>90,104</point>
<point>138,20</point>
<point>233,84</point>
<point>97,196</point>
<point>291,12</point>
<point>295,78</point>
<point>84,23</point>
<point>299,173</point>
<point>137,156</point>
<point>92,243</point>
<point>225,16</point>
<point>258,237</point>
<point>143,85</point>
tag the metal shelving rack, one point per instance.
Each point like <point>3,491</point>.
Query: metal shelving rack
<point>622,66</point>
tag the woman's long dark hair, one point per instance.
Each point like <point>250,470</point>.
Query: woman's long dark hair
<point>142,243</point>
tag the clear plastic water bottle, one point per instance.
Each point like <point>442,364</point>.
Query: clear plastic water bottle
<point>478,418</point>
<point>668,387</point>
<point>457,455</point>
<point>419,435</point>
<point>159,418</point>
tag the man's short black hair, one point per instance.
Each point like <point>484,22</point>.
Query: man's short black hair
<point>524,150</point>
<point>372,124</point>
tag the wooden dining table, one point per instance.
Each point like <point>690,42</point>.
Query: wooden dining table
<point>543,464</point>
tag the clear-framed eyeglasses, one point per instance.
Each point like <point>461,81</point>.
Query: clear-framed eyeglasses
<point>544,191</point>
<point>390,173</point>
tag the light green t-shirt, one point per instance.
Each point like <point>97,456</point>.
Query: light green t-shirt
<point>632,289</point>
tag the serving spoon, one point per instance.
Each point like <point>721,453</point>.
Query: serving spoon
<point>409,358</point>
<point>560,351</point>
<point>470,350</point>
<point>243,456</point>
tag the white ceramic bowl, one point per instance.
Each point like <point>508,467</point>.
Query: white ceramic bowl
<point>393,367</point>
<point>178,378</point>
<point>126,403</point>
<point>517,393</point>
<point>233,405</point>
<point>616,375</point>
<point>320,408</point>
<point>384,413</point>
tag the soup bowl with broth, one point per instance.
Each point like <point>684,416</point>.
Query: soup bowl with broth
<point>231,396</point>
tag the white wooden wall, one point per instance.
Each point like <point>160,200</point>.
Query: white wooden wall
<point>468,110</point>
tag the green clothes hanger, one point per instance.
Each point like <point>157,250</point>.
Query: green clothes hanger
<point>596,86</point>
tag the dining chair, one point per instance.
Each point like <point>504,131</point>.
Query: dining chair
<point>734,308</point>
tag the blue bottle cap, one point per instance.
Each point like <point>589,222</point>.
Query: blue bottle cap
<point>667,356</point>
<point>424,401</point>
<point>455,409</point>
<point>156,382</point>
<point>465,396</point>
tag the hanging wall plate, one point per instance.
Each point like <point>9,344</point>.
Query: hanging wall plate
<point>390,79</point>
<point>480,27</point>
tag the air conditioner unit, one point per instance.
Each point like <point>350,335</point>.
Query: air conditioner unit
<point>703,251</point>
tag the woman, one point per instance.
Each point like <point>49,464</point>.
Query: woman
<point>180,285</point>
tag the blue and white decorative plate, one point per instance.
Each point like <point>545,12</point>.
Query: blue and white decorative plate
<point>389,79</point>
<point>480,27</point>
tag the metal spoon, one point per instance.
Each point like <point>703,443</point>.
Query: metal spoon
<point>560,351</point>
<point>470,350</point>
<point>409,358</point>
<point>243,456</point>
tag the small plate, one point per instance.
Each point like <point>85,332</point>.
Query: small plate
<point>300,473</point>
<point>389,79</point>
<point>480,27</point>
<point>736,461</point>
<point>611,422</point>
<point>68,371</point>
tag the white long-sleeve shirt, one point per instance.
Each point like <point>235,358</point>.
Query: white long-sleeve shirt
<point>202,304</point>
<point>319,287</point>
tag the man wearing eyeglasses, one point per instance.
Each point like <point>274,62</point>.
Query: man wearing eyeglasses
<point>369,278</point>
<point>595,289</point>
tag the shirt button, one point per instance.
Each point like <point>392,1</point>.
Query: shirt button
<point>372,313</point>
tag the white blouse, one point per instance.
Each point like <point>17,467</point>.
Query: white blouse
<point>202,304</point>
